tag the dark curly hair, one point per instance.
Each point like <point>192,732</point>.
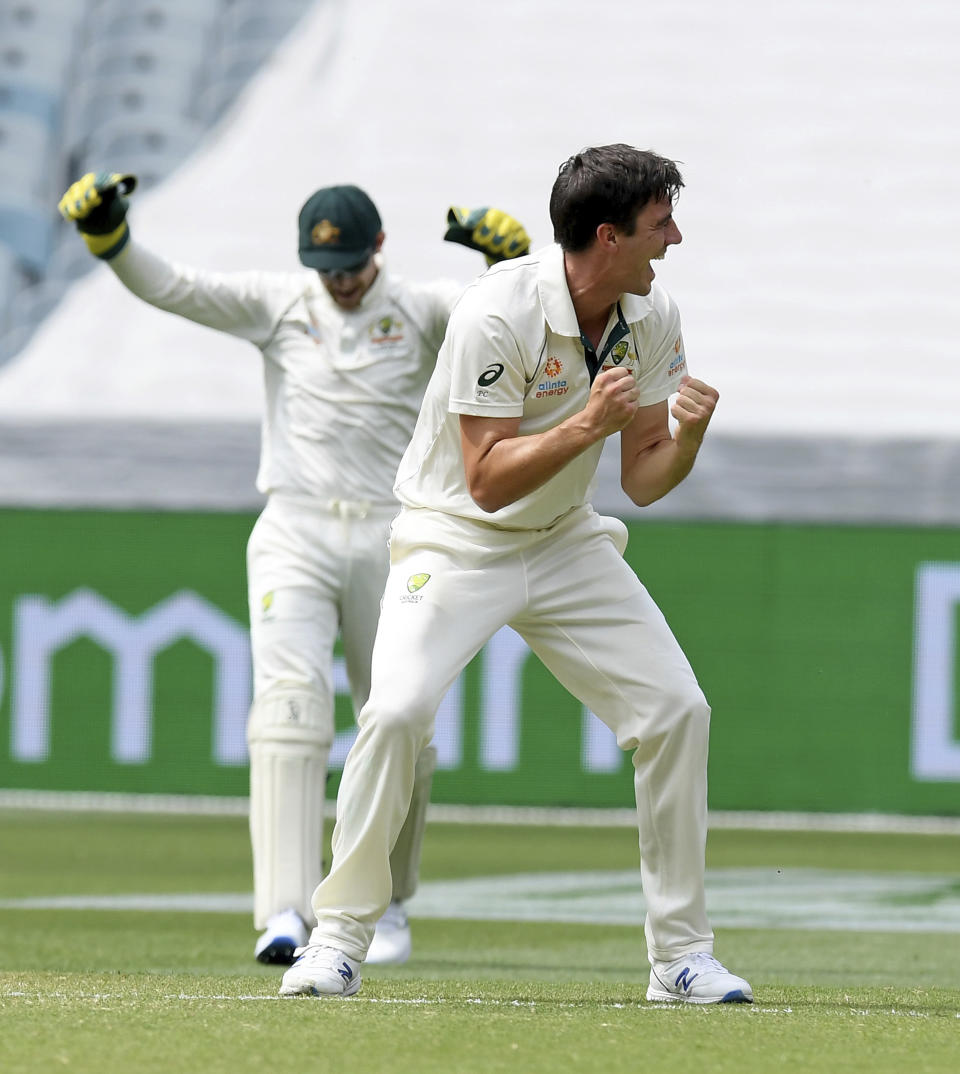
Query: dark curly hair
<point>608,184</point>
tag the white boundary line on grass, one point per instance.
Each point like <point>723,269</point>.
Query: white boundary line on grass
<point>753,1009</point>
<point>222,806</point>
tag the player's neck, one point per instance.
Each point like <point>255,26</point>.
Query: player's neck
<point>592,294</point>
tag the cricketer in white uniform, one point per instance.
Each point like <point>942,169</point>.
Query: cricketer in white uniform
<point>544,357</point>
<point>347,352</point>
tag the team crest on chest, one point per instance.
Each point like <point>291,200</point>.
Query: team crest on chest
<point>386,329</point>
<point>619,352</point>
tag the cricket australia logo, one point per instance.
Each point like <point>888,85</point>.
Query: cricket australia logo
<point>619,352</point>
<point>415,583</point>
<point>386,330</point>
<point>266,605</point>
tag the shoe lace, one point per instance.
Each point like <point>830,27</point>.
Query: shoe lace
<point>318,955</point>
<point>705,960</point>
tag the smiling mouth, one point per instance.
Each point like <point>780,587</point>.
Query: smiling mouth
<point>347,292</point>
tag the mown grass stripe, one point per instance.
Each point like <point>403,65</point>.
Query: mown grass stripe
<point>747,897</point>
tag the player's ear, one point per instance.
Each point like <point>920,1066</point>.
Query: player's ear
<point>606,235</point>
<point>378,241</point>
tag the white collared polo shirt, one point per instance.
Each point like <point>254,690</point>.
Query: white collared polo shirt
<point>513,349</point>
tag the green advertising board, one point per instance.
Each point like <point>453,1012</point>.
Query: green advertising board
<point>828,653</point>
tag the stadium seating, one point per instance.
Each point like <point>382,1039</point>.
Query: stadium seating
<point>87,85</point>
<point>26,144</point>
<point>111,57</point>
<point>154,144</point>
<point>26,228</point>
<point>12,282</point>
<point>30,98</point>
<point>127,97</point>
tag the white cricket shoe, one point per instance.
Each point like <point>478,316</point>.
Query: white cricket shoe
<point>285,932</point>
<point>696,978</point>
<point>391,942</point>
<point>321,971</point>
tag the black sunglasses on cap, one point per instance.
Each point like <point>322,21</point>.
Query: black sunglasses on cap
<point>350,270</point>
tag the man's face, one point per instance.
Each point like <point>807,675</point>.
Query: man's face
<point>348,286</point>
<point>655,231</point>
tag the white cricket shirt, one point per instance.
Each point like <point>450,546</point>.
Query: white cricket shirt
<point>343,387</point>
<point>513,349</point>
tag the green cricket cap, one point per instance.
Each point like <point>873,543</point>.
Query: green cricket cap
<point>338,228</point>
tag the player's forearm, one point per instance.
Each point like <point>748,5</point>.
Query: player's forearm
<point>514,467</point>
<point>222,301</point>
<point>650,474</point>
<point>149,277</point>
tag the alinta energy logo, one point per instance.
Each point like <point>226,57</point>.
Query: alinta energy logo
<point>415,583</point>
<point>555,384</point>
<point>679,362</point>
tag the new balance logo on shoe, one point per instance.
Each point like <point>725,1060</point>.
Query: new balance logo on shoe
<point>345,972</point>
<point>696,978</point>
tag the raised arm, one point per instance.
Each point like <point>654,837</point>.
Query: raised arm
<point>244,304</point>
<point>652,461</point>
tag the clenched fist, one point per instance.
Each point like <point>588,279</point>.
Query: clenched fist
<point>613,399</point>
<point>693,408</point>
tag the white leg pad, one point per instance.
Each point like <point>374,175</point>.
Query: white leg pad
<point>405,859</point>
<point>289,735</point>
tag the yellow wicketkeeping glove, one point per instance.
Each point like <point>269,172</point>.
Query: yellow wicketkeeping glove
<point>493,232</point>
<point>97,204</point>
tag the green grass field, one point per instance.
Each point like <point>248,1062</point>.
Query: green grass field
<point>126,990</point>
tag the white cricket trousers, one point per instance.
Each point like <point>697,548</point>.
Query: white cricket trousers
<point>314,570</point>
<point>569,593</point>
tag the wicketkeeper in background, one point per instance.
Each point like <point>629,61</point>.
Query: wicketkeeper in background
<point>347,352</point>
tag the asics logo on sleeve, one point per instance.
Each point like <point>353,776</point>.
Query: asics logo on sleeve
<point>490,374</point>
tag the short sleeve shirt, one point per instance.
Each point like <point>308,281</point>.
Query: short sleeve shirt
<point>513,349</point>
